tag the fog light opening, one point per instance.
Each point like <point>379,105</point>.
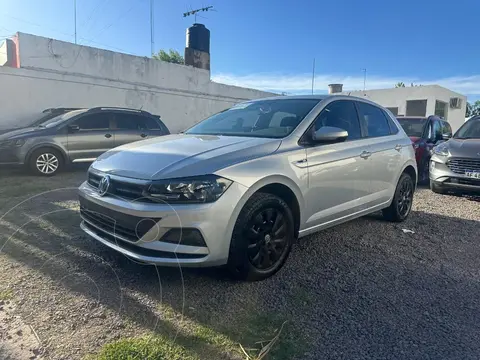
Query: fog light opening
<point>189,237</point>
<point>144,226</point>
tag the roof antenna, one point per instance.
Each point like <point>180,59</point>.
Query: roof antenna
<point>194,12</point>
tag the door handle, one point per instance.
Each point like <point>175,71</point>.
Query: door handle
<point>398,147</point>
<point>365,154</point>
<point>108,136</point>
<point>143,135</point>
<point>301,163</point>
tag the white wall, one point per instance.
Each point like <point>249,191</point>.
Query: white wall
<point>3,53</point>
<point>397,97</point>
<point>58,74</point>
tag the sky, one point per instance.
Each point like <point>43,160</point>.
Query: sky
<point>271,44</point>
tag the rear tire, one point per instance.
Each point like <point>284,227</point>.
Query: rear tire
<point>402,201</point>
<point>437,188</point>
<point>46,162</point>
<point>262,238</point>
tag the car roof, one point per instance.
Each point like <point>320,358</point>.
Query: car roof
<point>319,98</point>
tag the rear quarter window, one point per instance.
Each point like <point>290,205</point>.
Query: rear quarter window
<point>393,127</point>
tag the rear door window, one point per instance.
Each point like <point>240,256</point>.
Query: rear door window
<point>130,122</point>
<point>341,114</point>
<point>100,121</point>
<point>393,127</point>
<point>374,119</point>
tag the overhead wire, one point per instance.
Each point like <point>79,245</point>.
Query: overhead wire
<point>62,32</point>
<point>97,9</point>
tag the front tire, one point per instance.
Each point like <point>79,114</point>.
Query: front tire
<point>402,202</point>
<point>46,162</point>
<point>262,238</point>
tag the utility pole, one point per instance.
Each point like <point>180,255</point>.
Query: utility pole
<point>313,74</point>
<point>152,41</point>
<point>75,18</point>
<point>364,78</point>
<point>194,12</point>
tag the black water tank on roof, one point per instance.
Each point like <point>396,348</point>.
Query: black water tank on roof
<point>198,38</point>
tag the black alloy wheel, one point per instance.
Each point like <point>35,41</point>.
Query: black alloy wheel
<point>405,198</point>
<point>267,235</point>
<point>402,201</point>
<point>262,238</point>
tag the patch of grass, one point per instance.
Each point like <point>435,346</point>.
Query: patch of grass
<point>145,348</point>
<point>6,295</point>
<point>252,330</point>
<point>257,329</point>
<point>252,335</point>
<point>199,336</point>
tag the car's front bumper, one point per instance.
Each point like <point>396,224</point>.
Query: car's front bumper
<point>214,221</point>
<point>444,177</point>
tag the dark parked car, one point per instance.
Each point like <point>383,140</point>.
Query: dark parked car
<point>76,136</point>
<point>425,133</point>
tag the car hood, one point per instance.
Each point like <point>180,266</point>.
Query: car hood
<point>17,133</point>
<point>174,156</point>
<point>464,148</point>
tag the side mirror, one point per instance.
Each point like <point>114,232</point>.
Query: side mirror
<point>446,136</point>
<point>330,134</point>
<point>73,128</point>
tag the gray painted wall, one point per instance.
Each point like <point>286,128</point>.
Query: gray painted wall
<point>59,74</point>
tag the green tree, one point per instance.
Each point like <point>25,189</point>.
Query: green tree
<point>468,110</point>
<point>473,110</point>
<point>172,56</point>
<point>399,84</point>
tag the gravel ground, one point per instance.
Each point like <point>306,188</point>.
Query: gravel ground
<point>361,290</point>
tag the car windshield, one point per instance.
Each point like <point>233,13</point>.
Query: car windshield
<point>60,118</point>
<point>469,130</point>
<point>413,126</point>
<point>275,118</point>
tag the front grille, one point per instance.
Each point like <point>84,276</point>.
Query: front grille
<point>462,165</point>
<point>124,189</point>
<point>129,227</point>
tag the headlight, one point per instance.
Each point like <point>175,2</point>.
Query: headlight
<point>12,143</point>
<point>441,150</point>
<point>201,189</point>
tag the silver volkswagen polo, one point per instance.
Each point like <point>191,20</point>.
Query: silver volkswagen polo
<point>238,188</point>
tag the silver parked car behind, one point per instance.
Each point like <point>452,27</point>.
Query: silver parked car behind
<point>239,187</point>
<point>455,164</point>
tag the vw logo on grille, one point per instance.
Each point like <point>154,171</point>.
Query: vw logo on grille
<point>103,185</point>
